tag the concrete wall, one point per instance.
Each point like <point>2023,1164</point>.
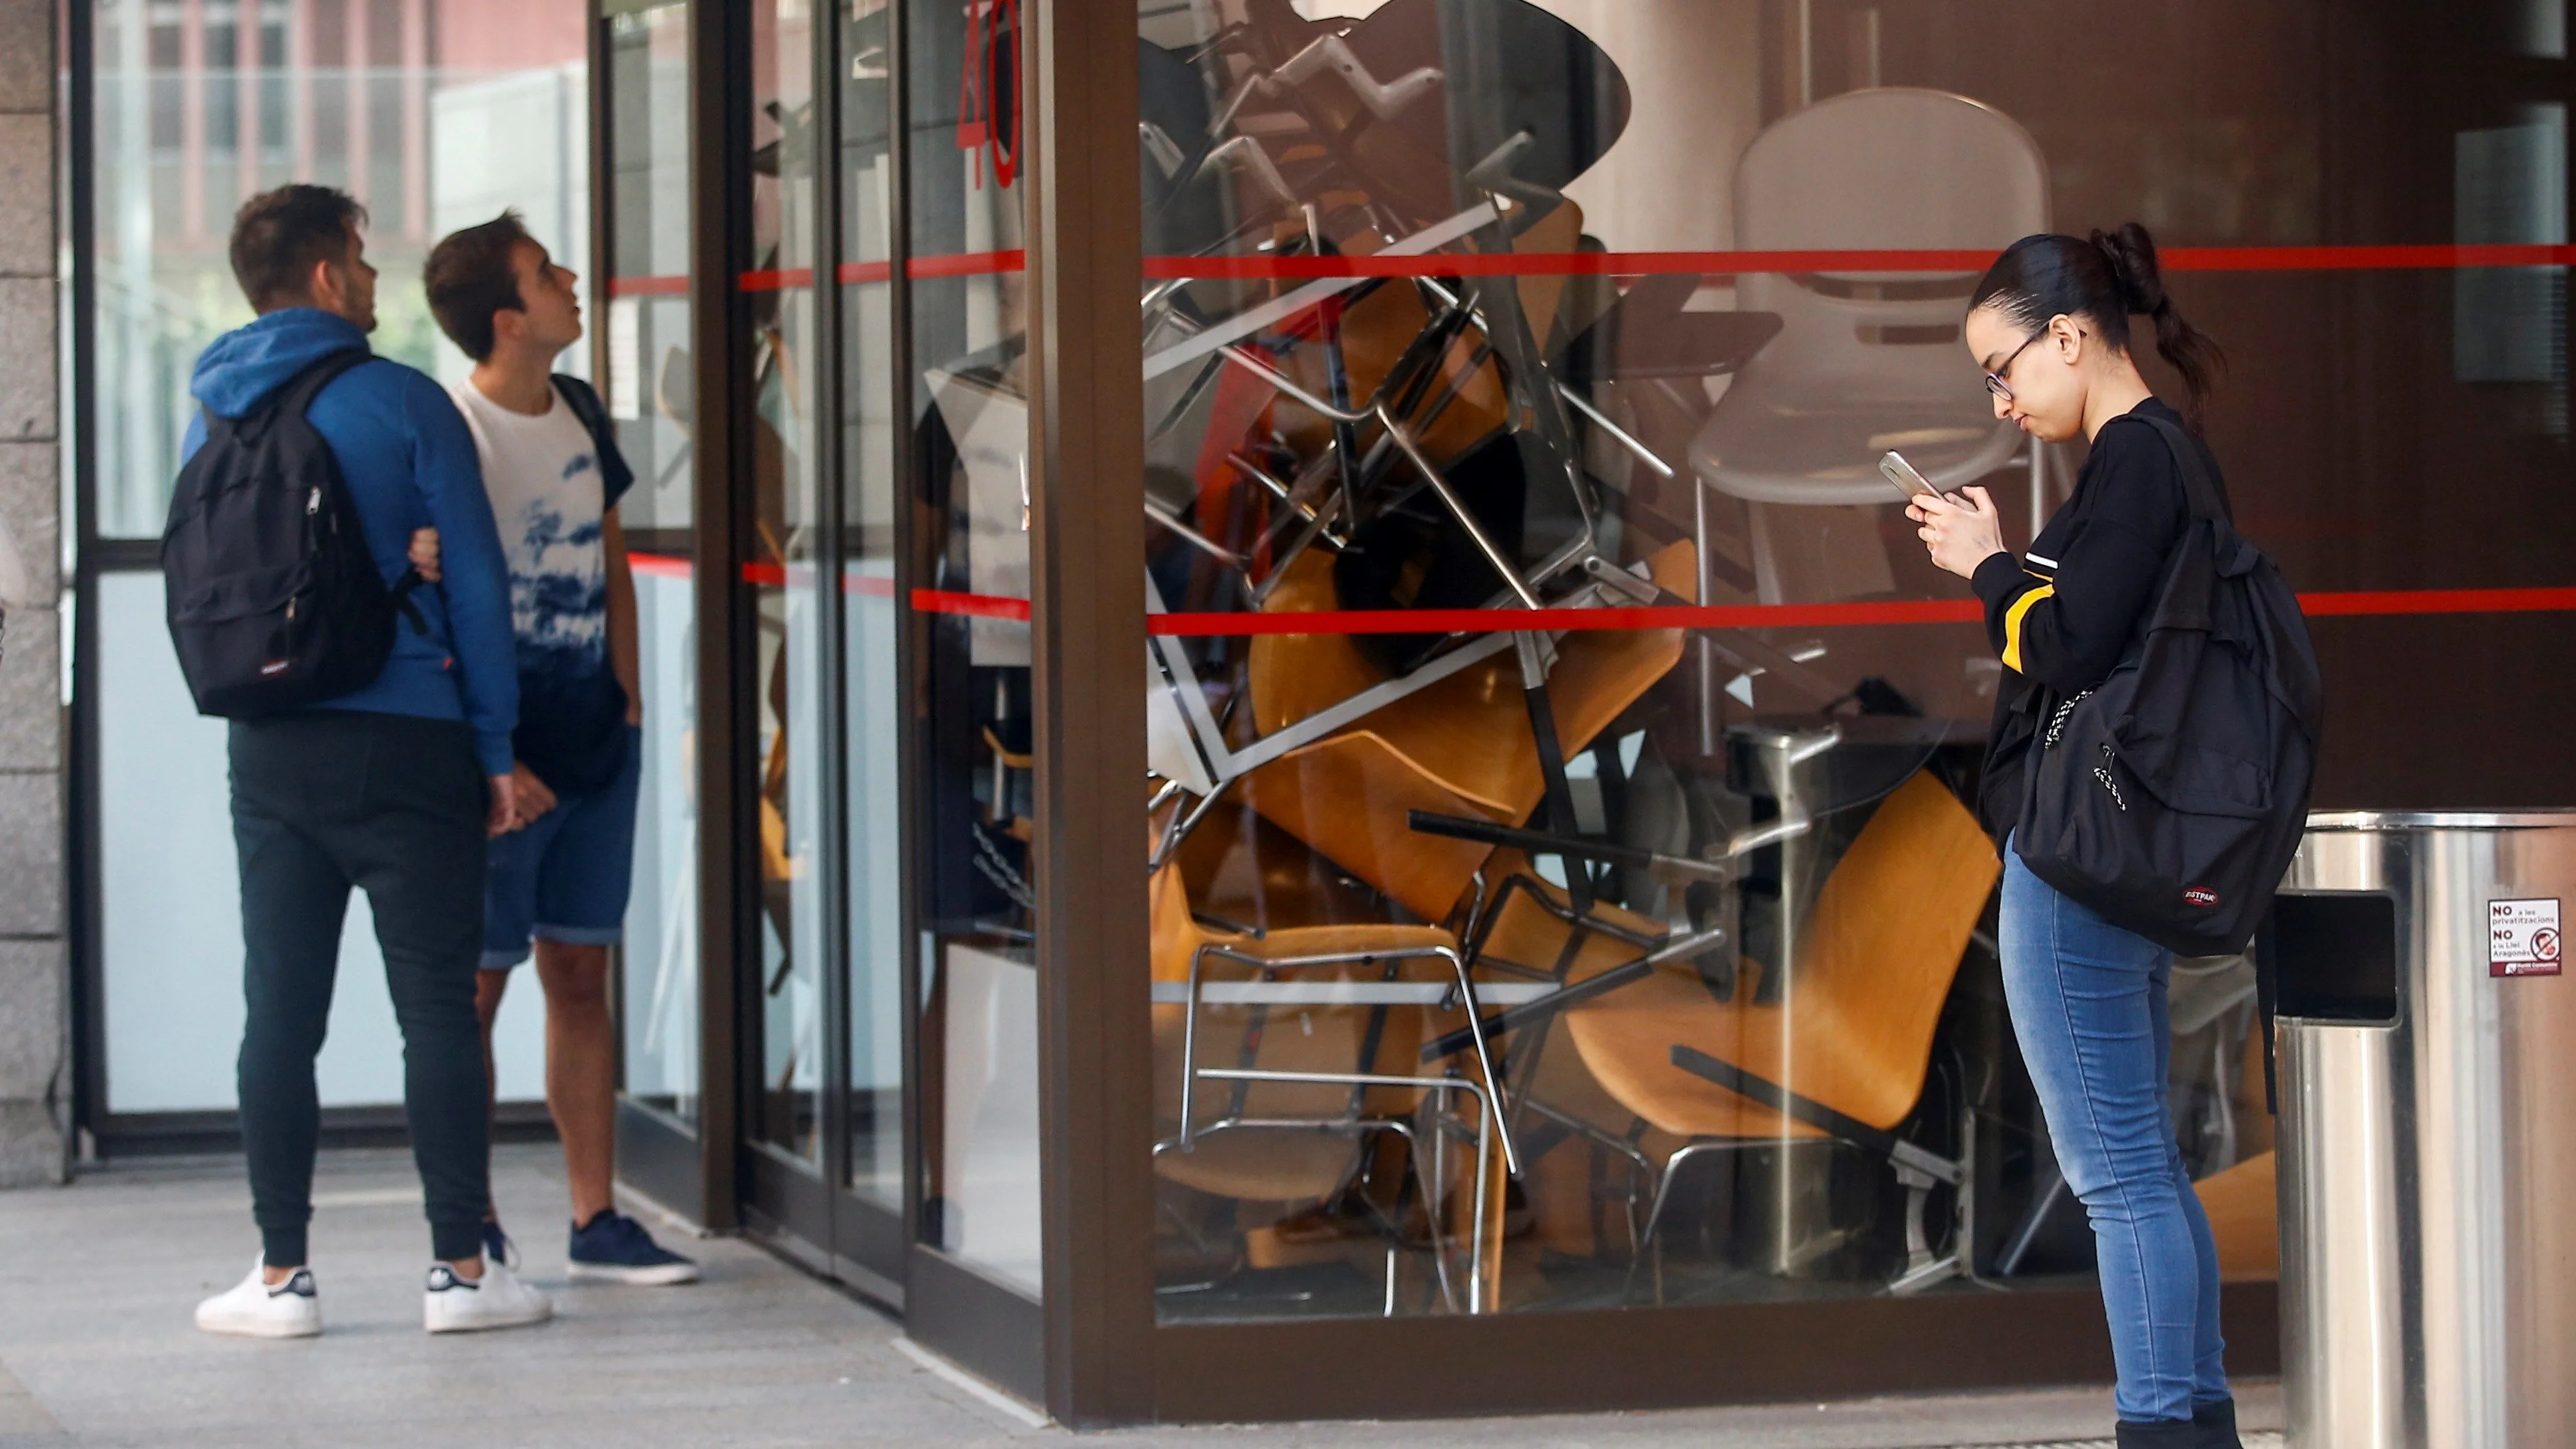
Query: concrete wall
<point>35,1058</point>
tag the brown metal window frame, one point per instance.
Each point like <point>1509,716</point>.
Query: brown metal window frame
<point>1107,1361</point>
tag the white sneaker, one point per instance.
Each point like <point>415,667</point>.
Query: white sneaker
<point>497,1300</point>
<point>255,1309</point>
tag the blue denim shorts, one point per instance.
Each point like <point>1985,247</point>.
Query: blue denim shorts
<point>566,876</point>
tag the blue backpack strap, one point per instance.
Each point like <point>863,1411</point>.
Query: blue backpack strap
<point>614,474</point>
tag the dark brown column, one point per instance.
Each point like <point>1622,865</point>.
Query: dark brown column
<point>1087,577</point>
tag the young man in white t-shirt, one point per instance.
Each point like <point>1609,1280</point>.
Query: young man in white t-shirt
<point>561,878</point>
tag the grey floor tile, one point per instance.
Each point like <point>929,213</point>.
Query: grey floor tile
<point>99,1351</point>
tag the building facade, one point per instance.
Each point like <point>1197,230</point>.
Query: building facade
<point>35,959</point>
<point>1543,955</point>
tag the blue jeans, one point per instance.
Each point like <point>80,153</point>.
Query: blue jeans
<point>2088,1007</point>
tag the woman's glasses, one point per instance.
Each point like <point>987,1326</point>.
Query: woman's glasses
<point>1995,380</point>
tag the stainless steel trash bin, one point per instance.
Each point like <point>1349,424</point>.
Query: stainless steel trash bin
<point>2427,1049</point>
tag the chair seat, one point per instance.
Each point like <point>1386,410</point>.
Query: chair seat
<point>1261,1165</point>
<point>1627,1037</point>
<point>1767,452</point>
<point>1349,940</point>
<point>1854,1028</point>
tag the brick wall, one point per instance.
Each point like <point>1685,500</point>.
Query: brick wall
<point>35,1059</point>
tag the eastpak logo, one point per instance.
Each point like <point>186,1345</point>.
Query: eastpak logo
<point>2201,896</point>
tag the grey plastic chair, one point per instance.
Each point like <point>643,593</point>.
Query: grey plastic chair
<point>1867,361</point>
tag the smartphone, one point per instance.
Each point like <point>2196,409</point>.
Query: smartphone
<point>1902,474</point>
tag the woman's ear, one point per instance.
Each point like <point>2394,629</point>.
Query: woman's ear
<point>2067,338</point>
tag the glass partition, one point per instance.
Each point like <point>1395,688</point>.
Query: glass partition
<point>197,106</point>
<point>975,801</point>
<point>651,396</point>
<point>1566,889</point>
<point>871,614</point>
<point>788,663</point>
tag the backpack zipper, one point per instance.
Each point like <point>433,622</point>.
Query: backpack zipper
<point>312,508</point>
<point>2102,773</point>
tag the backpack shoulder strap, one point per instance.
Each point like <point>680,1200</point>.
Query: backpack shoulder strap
<point>295,396</point>
<point>584,401</point>
<point>299,393</point>
<point>2200,492</point>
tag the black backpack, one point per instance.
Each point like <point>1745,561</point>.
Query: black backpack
<point>274,599</point>
<point>2170,797</point>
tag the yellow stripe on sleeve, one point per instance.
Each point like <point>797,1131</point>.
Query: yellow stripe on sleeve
<point>2012,624</point>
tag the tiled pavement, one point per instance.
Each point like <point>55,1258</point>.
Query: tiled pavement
<point>96,1350</point>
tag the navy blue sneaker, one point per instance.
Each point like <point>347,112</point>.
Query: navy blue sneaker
<point>614,1248</point>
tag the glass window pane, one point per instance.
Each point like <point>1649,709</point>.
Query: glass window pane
<point>196,110</point>
<point>975,825</point>
<point>652,399</point>
<point>1559,381</point>
<point>788,661</point>
<point>872,615</point>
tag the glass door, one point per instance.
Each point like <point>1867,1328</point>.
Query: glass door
<point>975,1268</point>
<point>868,530</point>
<point>823,1025</point>
<point>778,347</point>
<point>648,371</point>
<point>879,1025</point>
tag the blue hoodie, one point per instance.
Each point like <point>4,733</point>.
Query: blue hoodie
<point>409,464</point>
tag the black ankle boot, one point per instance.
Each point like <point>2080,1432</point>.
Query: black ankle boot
<point>2217,1425</point>
<point>2161,1434</point>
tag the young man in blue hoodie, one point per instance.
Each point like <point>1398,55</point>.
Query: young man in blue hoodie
<point>393,789</point>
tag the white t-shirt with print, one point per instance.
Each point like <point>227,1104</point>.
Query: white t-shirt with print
<point>543,477</point>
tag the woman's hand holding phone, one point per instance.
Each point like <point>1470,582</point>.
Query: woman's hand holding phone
<point>1961,530</point>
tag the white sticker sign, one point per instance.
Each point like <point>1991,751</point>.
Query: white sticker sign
<point>625,358</point>
<point>2522,938</point>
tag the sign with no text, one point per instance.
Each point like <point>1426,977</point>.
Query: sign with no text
<point>2522,938</point>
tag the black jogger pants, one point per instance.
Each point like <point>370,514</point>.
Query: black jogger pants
<point>393,805</point>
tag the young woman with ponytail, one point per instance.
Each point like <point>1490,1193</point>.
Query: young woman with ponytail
<point>2049,326</point>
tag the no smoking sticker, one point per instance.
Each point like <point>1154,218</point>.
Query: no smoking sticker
<point>2522,938</point>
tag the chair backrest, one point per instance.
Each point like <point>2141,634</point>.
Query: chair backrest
<point>1300,1038</point>
<point>1886,168</point>
<point>1882,947</point>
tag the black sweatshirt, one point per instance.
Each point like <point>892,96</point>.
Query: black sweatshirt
<point>2062,615</point>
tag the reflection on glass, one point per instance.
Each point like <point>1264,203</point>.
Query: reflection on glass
<point>788,663</point>
<point>198,105</point>
<point>873,687</point>
<point>650,398</point>
<point>974,827</point>
<point>1706,913</point>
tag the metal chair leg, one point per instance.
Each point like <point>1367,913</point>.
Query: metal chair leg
<point>2032,1219</point>
<point>1922,1270</point>
<point>1653,1244</point>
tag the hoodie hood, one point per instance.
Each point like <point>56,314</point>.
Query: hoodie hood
<point>248,363</point>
